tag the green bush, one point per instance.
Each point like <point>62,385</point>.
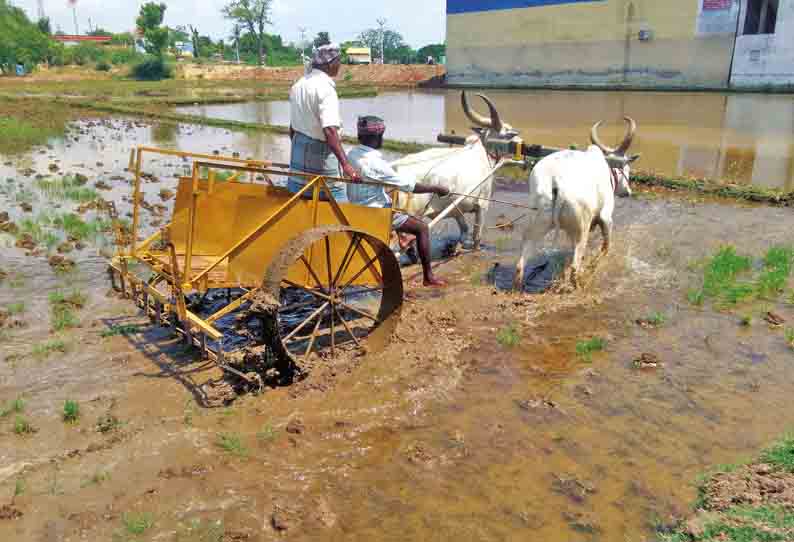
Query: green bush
<point>102,66</point>
<point>152,69</point>
<point>124,56</point>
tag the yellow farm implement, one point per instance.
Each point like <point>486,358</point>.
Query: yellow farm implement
<point>290,274</point>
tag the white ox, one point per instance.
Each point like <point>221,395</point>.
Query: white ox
<point>458,169</point>
<point>574,191</point>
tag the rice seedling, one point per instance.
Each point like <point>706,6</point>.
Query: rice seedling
<point>47,348</point>
<point>586,348</point>
<point>62,306</point>
<point>509,336</point>
<point>16,308</point>
<point>17,406</point>
<point>267,433</point>
<point>231,443</point>
<point>19,487</point>
<point>790,337</point>
<point>22,426</point>
<point>71,411</point>
<point>115,331</point>
<point>137,524</point>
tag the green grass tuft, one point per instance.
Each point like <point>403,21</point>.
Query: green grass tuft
<point>137,524</point>
<point>23,427</point>
<point>16,308</point>
<point>586,349</point>
<point>17,406</point>
<point>115,331</point>
<point>231,443</point>
<point>71,411</point>
<point>781,455</point>
<point>509,336</point>
<point>47,348</point>
<point>267,433</point>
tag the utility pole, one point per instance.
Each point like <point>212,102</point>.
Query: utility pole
<point>42,15</point>
<point>73,3</point>
<point>382,25</point>
<point>302,31</point>
<point>90,26</point>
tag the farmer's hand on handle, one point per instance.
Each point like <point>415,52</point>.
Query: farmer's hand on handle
<point>350,172</point>
<point>442,191</point>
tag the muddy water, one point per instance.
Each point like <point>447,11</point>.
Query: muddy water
<point>740,138</point>
<point>445,435</point>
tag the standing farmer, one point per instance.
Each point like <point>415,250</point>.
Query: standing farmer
<point>315,125</point>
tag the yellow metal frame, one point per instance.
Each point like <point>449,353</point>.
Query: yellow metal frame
<point>177,270</point>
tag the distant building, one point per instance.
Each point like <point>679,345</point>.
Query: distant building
<point>70,40</point>
<point>359,55</point>
<point>654,43</point>
<point>184,49</point>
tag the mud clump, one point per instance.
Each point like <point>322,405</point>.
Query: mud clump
<point>753,485</point>
<point>26,207</point>
<point>8,512</point>
<point>295,427</point>
<point>647,361</point>
<point>166,194</point>
<point>573,488</point>
<point>102,185</point>
<point>25,242</point>
<point>61,263</point>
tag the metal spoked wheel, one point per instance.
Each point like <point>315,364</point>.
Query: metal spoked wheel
<point>352,290</point>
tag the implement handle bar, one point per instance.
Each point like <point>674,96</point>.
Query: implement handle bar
<point>451,139</point>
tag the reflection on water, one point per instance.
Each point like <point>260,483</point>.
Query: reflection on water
<point>738,138</point>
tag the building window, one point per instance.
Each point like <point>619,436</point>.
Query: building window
<point>761,17</point>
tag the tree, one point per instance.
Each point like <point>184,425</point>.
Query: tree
<point>21,41</point>
<point>194,38</point>
<point>236,33</point>
<point>101,32</point>
<point>253,15</point>
<point>45,26</point>
<point>155,37</point>
<point>323,38</point>
<point>435,50</point>
<point>393,43</point>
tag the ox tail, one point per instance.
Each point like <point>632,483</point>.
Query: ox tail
<point>556,207</point>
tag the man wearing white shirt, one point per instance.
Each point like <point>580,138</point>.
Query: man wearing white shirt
<point>315,125</point>
<point>370,164</point>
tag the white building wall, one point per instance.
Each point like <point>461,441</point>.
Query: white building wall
<point>766,60</point>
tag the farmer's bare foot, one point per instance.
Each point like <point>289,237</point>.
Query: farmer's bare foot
<point>435,283</point>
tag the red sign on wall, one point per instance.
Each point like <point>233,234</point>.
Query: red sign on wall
<point>716,5</point>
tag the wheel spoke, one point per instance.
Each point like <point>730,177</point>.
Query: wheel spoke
<point>328,261</point>
<point>315,293</point>
<point>311,271</point>
<point>347,327</point>
<point>354,242</point>
<point>314,315</point>
<point>360,312</point>
<point>314,336</point>
<point>333,330</point>
<point>355,277</point>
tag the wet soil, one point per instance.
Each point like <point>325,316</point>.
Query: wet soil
<point>444,434</point>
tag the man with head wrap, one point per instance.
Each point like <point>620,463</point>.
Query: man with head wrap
<point>315,124</point>
<point>369,162</point>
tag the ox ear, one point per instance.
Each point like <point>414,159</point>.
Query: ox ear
<point>633,158</point>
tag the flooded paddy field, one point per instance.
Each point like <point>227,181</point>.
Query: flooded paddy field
<point>488,418</point>
<point>743,138</point>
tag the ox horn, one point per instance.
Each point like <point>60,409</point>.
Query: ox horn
<point>623,146</point>
<point>495,122</point>
<point>629,135</point>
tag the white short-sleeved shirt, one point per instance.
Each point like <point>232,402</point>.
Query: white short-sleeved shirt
<point>372,166</point>
<point>314,105</point>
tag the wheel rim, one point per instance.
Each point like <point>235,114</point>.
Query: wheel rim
<point>331,313</point>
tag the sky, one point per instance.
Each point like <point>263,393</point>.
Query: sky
<point>421,22</point>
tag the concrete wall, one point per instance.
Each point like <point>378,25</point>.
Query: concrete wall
<point>593,43</point>
<point>766,60</point>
